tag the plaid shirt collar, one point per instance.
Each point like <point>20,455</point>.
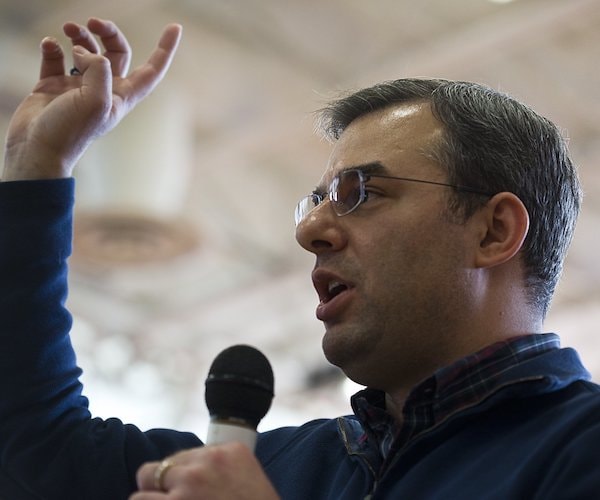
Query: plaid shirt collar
<point>449,390</point>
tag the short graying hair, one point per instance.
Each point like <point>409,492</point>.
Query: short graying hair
<point>492,143</point>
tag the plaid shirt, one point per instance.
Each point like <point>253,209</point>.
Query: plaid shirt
<point>462,384</point>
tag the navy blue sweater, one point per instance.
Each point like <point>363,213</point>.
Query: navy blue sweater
<point>536,437</point>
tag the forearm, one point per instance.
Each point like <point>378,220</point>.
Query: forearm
<point>38,373</point>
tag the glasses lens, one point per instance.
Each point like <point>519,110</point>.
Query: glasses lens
<point>305,205</point>
<point>347,192</point>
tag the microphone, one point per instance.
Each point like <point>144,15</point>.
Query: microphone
<point>239,391</point>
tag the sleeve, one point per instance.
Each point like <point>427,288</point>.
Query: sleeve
<point>50,447</point>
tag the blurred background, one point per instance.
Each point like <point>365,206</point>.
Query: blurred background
<point>184,238</point>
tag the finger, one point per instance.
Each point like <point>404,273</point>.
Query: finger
<point>144,78</point>
<point>148,495</point>
<point>118,51</point>
<point>53,59</point>
<point>189,456</point>
<point>79,35</point>
<point>96,84</point>
<point>145,476</point>
<point>159,476</point>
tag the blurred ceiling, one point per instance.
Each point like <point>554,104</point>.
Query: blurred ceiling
<point>184,240</point>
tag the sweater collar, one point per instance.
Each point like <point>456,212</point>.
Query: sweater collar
<point>495,370</point>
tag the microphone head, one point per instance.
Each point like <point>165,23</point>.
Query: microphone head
<point>239,385</point>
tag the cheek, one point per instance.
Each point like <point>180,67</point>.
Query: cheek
<point>409,244</point>
<point>405,245</point>
<point>415,256</point>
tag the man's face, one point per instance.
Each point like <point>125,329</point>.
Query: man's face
<point>391,276</point>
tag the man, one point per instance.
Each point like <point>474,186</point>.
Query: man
<point>439,229</point>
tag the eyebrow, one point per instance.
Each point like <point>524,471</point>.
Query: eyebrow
<point>374,167</point>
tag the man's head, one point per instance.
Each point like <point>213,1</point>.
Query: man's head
<point>412,275</point>
<point>492,143</point>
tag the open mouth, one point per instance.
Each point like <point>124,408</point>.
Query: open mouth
<point>334,296</point>
<point>334,288</point>
<point>328,285</point>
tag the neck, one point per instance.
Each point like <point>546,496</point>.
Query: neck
<point>394,406</point>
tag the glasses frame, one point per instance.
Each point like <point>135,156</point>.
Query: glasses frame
<point>317,198</point>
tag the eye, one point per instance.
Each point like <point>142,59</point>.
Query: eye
<point>316,198</point>
<point>372,192</point>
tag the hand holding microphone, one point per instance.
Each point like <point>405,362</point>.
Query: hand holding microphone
<point>239,390</point>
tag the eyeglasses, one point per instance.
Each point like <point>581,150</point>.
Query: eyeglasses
<point>348,190</point>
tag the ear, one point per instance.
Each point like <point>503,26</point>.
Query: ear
<point>504,223</point>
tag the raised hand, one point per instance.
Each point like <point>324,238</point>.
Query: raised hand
<point>54,125</point>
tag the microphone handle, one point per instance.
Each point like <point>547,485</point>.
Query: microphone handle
<point>226,431</point>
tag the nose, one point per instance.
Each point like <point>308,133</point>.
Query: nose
<point>320,231</point>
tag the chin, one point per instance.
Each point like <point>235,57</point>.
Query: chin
<point>336,356</point>
<point>346,361</point>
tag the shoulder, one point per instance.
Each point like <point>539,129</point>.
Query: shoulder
<point>315,434</point>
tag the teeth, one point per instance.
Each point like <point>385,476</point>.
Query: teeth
<point>335,287</point>
<point>332,286</point>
